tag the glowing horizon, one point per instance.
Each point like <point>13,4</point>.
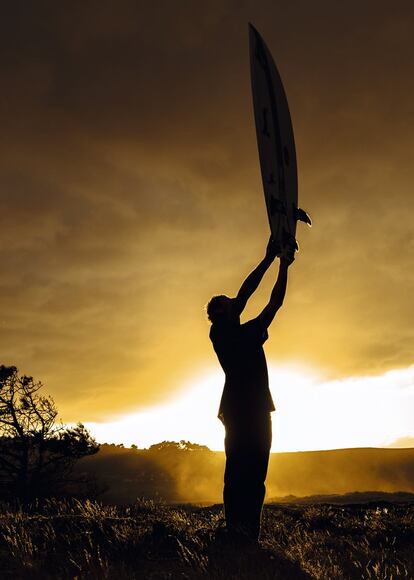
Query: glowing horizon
<point>311,413</point>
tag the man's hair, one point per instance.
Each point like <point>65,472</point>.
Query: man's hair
<point>214,308</point>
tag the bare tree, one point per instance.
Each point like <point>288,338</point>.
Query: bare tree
<point>36,453</point>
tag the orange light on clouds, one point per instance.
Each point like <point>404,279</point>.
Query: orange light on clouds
<point>311,413</point>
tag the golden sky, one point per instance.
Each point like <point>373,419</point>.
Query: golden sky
<point>131,191</point>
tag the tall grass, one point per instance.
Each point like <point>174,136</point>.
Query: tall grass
<point>85,539</point>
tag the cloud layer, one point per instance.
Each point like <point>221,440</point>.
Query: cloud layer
<point>130,190</point>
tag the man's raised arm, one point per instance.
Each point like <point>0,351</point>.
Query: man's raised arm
<point>278,293</point>
<point>254,278</point>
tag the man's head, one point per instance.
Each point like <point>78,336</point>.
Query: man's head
<point>222,309</point>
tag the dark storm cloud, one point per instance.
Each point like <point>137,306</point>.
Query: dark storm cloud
<point>130,187</point>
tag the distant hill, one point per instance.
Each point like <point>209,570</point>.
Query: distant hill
<point>340,471</point>
<point>357,497</point>
<point>182,472</point>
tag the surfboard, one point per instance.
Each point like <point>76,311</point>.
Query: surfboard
<point>276,145</point>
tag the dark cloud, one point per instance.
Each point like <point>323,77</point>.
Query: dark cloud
<point>130,188</point>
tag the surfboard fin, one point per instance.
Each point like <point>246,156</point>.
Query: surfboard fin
<point>302,216</point>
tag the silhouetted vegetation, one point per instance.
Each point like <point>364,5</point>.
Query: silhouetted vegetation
<point>37,455</point>
<point>83,539</point>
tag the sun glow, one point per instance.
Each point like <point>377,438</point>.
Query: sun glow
<point>191,416</point>
<point>310,413</point>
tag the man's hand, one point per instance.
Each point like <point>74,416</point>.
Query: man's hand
<point>287,259</point>
<point>289,251</point>
<point>272,249</point>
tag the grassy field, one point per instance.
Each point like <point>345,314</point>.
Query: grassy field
<point>73,539</point>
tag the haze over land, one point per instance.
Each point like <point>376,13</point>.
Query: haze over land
<point>131,193</point>
<point>174,473</point>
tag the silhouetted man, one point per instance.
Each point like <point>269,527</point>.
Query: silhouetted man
<point>246,402</point>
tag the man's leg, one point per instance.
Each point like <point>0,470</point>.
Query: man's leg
<point>247,447</point>
<point>257,460</point>
<point>233,493</point>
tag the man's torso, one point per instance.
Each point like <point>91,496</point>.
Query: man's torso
<point>239,349</point>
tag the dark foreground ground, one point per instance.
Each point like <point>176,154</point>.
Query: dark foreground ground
<point>158,542</point>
